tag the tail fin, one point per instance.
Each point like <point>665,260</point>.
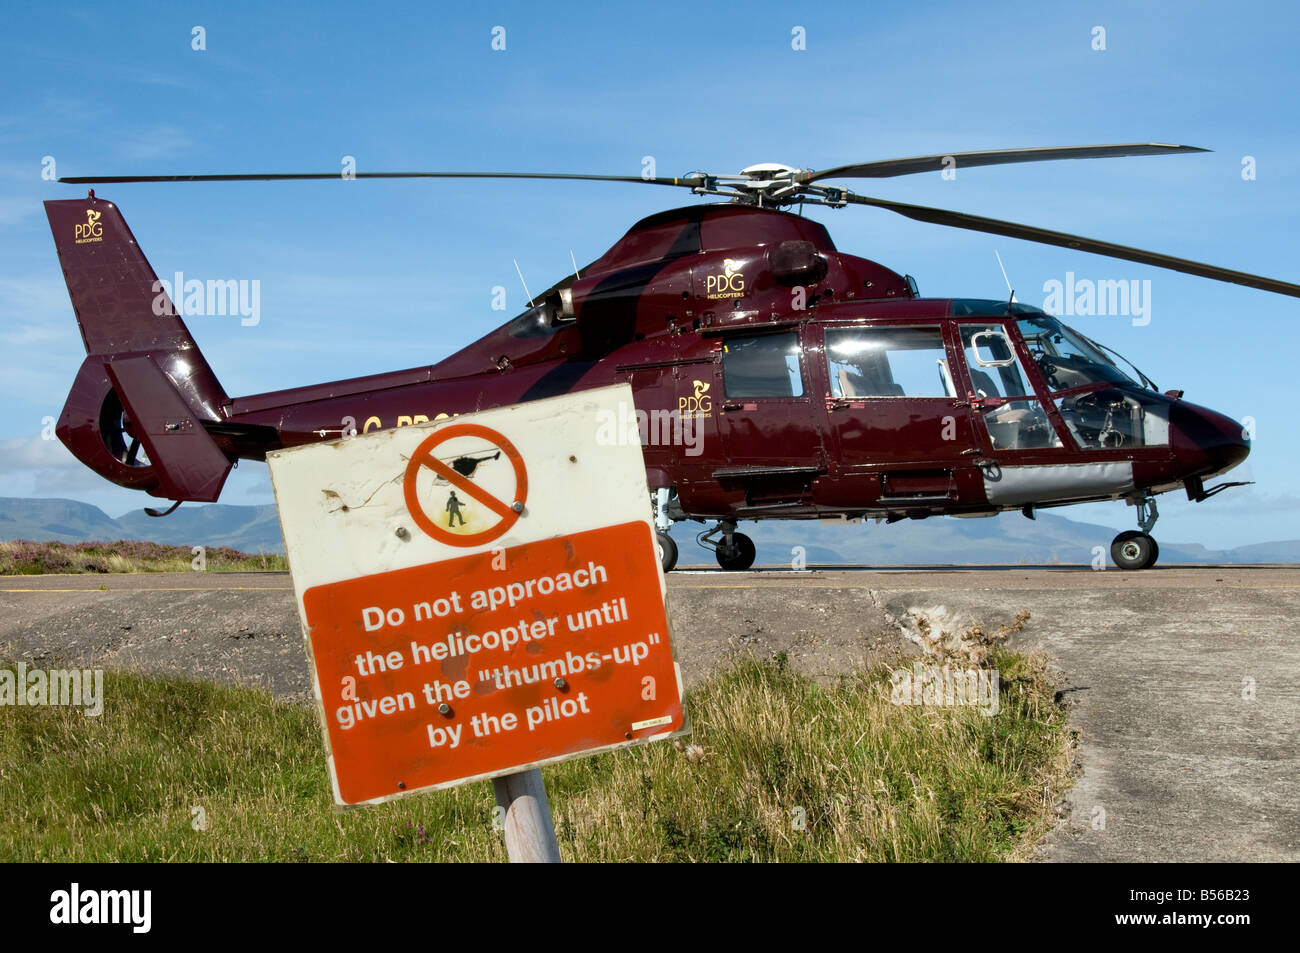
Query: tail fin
<point>144,383</point>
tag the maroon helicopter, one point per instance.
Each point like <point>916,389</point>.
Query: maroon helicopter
<point>774,376</point>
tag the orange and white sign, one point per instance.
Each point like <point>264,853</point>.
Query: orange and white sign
<point>479,595</point>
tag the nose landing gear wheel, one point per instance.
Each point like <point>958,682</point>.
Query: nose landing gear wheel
<point>667,551</point>
<point>1134,550</point>
<point>739,556</point>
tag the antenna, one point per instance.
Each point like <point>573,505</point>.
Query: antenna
<point>522,282</point>
<point>575,264</point>
<point>1005,278</point>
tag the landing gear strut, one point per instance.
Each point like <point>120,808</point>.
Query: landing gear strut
<point>1138,550</point>
<point>734,551</point>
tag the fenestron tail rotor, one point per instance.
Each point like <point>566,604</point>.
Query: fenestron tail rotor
<point>772,185</point>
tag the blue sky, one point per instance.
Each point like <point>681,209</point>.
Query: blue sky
<point>361,277</point>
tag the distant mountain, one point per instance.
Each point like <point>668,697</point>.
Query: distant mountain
<point>252,529</point>
<point>1006,539</point>
<point>999,540</point>
<point>1285,551</point>
<point>63,520</point>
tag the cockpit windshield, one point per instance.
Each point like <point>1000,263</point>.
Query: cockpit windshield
<point>1066,358</point>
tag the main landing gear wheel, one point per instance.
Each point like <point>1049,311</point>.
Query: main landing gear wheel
<point>667,551</point>
<point>1134,550</point>
<point>739,555</point>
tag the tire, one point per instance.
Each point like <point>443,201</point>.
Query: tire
<point>1134,550</point>
<point>740,557</point>
<point>667,551</point>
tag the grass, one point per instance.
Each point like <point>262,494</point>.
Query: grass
<point>25,558</point>
<point>874,781</point>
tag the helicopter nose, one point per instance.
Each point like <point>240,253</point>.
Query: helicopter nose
<point>1228,453</point>
<point>1219,441</point>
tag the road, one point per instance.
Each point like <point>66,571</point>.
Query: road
<point>1184,683</point>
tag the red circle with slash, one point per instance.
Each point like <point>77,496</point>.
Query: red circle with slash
<point>423,457</point>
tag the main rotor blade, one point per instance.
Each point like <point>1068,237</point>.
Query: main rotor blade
<point>885,168</point>
<point>287,176</point>
<point>1029,233</point>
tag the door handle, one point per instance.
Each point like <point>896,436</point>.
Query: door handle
<point>844,403</point>
<point>976,402</point>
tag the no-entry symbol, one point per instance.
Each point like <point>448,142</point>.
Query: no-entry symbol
<point>447,523</point>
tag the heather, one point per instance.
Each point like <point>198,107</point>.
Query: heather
<point>26,558</point>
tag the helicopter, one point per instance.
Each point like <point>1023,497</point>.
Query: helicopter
<point>809,383</point>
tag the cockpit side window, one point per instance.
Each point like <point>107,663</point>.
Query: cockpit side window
<point>1065,358</point>
<point>1012,413</point>
<point>992,362</point>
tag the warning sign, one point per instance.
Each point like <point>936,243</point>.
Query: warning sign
<point>532,632</point>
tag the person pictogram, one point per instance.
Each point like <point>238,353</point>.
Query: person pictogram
<point>453,511</point>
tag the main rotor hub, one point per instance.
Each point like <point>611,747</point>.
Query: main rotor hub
<point>770,185</point>
<point>769,170</point>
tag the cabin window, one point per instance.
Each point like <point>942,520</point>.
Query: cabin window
<point>888,362</point>
<point>762,366</point>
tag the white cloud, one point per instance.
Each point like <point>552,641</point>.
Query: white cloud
<point>34,453</point>
<point>39,344</point>
<point>15,209</point>
<point>43,295</point>
<point>157,142</point>
<point>31,466</point>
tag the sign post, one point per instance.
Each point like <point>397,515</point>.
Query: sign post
<point>530,832</point>
<point>481,596</point>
